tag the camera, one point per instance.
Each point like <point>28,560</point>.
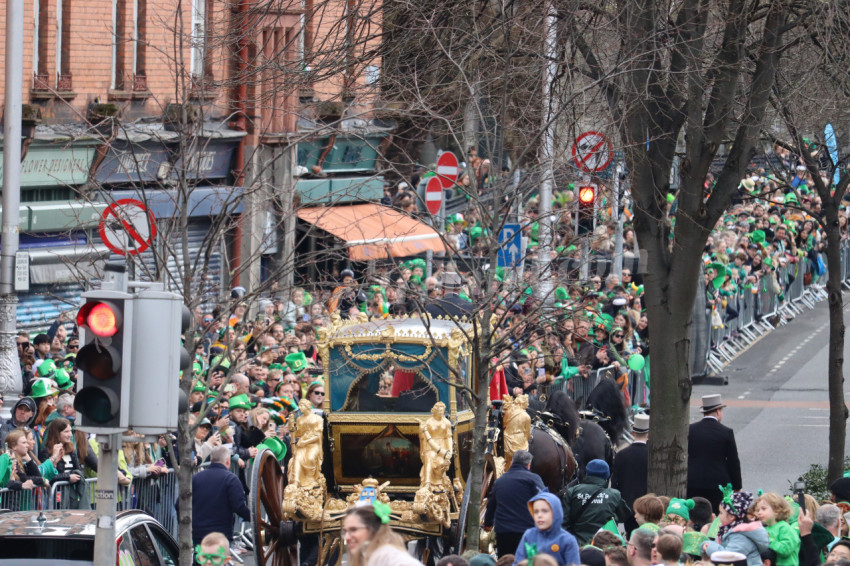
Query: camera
<point>800,493</point>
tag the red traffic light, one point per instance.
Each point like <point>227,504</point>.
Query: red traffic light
<point>101,317</point>
<point>586,195</point>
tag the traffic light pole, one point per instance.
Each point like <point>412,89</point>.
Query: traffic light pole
<point>106,494</point>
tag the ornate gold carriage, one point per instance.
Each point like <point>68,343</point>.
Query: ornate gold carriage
<point>395,427</point>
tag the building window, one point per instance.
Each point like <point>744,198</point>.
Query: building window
<point>63,45</point>
<point>40,32</point>
<point>140,30</point>
<point>199,37</point>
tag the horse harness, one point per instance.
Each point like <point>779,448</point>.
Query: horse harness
<point>549,428</point>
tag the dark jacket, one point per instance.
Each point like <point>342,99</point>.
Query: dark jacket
<point>712,459</point>
<point>507,505</point>
<point>606,504</point>
<point>629,472</point>
<point>29,472</point>
<point>216,495</point>
<point>450,305</point>
<point>12,424</point>
<point>64,469</point>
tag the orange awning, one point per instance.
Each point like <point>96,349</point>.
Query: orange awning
<point>372,231</point>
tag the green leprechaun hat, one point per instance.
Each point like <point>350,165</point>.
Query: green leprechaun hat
<point>296,361</point>
<point>42,388</point>
<point>241,402</point>
<point>276,445</point>
<point>63,380</point>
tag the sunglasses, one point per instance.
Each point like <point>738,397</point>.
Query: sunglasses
<point>24,345</point>
<point>319,393</point>
<point>73,346</point>
<point>618,336</point>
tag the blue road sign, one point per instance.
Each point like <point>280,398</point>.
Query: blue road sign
<point>510,246</point>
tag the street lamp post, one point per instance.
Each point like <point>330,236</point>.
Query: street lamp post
<point>10,369</point>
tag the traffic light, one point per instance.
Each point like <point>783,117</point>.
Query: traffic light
<point>586,209</point>
<point>103,360</point>
<point>159,320</point>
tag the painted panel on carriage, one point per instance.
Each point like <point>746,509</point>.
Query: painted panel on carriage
<point>418,375</point>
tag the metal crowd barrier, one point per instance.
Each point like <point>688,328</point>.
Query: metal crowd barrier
<point>156,495</point>
<point>760,308</point>
<point>24,499</point>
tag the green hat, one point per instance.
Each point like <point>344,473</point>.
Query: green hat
<point>692,542</point>
<point>276,445</point>
<point>417,262</point>
<point>456,218</point>
<point>475,232</point>
<point>5,469</point>
<point>296,361</point>
<point>561,294</point>
<point>63,380</point>
<point>199,386</point>
<point>769,262</point>
<point>241,402</point>
<point>46,368</point>
<point>500,274</point>
<point>671,197</point>
<point>721,273</point>
<point>757,237</point>
<point>680,507</point>
<point>42,388</point>
<point>791,197</point>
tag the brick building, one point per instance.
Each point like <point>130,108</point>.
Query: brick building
<point>104,81</point>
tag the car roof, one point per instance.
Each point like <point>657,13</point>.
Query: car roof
<point>63,523</point>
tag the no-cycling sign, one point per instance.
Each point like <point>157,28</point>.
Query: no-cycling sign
<point>127,227</point>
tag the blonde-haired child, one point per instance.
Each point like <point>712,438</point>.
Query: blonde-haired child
<point>773,511</point>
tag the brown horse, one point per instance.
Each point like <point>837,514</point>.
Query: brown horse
<point>552,459</point>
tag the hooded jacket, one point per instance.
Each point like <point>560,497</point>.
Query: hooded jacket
<point>606,504</point>
<point>554,541</point>
<point>750,539</point>
<point>12,424</point>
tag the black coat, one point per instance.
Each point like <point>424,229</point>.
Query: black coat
<point>629,472</point>
<point>507,506</point>
<point>450,305</point>
<point>712,460</point>
<point>216,495</point>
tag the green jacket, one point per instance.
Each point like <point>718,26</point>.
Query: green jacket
<point>785,542</point>
<point>607,504</point>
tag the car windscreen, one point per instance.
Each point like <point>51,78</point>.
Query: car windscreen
<point>46,551</point>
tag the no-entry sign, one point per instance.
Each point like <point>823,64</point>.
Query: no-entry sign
<point>592,152</point>
<point>127,227</point>
<point>447,169</point>
<point>434,195</point>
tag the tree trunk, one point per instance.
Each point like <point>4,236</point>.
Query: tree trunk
<point>185,444</point>
<point>837,408</point>
<point>670,388</point>
<point>482,352</point>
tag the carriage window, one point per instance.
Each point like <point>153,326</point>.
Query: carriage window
<point>460,396</point>
<point>394,390</point>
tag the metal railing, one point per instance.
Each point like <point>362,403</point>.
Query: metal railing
<point>156,495</point>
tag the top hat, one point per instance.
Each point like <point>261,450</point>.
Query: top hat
<point>711,403</point>
<point>641,425</point>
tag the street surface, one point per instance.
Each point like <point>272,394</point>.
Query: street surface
<point>778,401</point>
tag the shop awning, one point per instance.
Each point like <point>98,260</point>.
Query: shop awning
<point>372,231</point>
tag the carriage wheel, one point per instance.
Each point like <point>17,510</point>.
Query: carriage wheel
<point>274,538</point>
<point>458,541</point>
